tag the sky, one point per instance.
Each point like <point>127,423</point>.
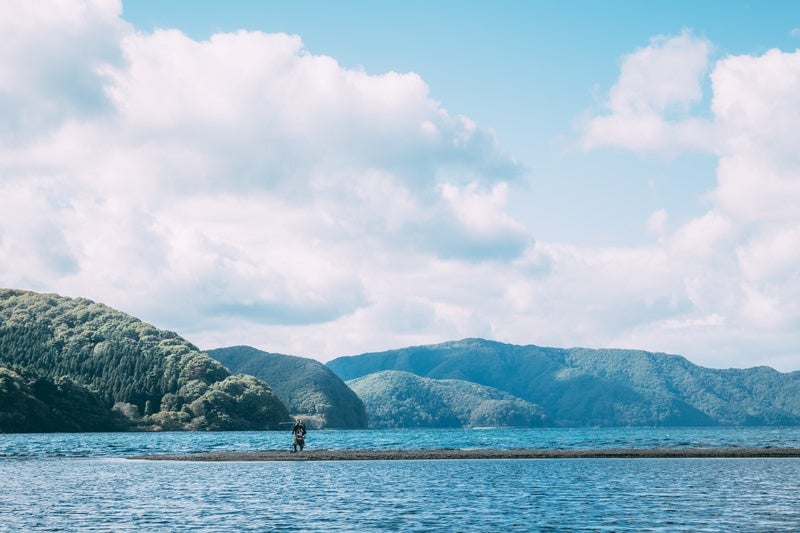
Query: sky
<point>331,178</point>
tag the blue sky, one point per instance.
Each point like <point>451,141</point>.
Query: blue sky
<point>329,178</point>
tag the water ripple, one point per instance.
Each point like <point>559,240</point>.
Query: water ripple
<point>78,482</point>
<point>475,495</point>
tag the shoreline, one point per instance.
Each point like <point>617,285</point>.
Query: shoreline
<point>438,454</point>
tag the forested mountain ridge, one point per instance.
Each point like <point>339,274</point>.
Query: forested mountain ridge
<point>156,379</point>
<point>306,387</point>
<point>752,396</point>
<point>398,399</point>
<point>580,387</point>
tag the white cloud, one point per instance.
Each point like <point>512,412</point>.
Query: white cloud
<point>771,256</point>
<point>737,262</point>
<point>757,108</point>
<point>268,114</point>
<point>657,222</point>
<point>237,180</point>
<point>648,108</point>
<point>478,227</point>
<point>32,239</point>
<point>661,76</point>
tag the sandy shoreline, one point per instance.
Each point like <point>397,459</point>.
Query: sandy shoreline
<point>526,453</point>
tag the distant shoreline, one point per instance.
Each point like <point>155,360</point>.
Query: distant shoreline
<point>523,453</point>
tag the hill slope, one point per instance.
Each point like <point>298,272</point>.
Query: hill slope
<point>153,377</point>
<point>33,404</point>
<point>306,387</point>
<point>397,399</point>
<point>579,387</point>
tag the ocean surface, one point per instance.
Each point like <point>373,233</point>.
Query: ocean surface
<point>87,482</point>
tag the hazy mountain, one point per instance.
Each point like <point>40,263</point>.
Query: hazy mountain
<point>306,387</point>
<point>578,387</point>
<point>397,399</point>
<point>154,378</point>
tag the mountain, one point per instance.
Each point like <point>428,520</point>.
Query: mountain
<point>153,378</point>
<point>397,399</point>
<point>583,387</point>
<point>306,387</point>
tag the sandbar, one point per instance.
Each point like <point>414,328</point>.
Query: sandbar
<point>520,453</point>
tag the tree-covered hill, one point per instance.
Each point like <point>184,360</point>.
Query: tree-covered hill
<point>154,378</point>
<point>397,399</point>
<point>29,403</point>
<point>753,396</point>
<point>306,387</point>
<point>579,387</point>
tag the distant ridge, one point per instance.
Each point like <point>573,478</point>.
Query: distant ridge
<point>398,399</point>
<point>308,388</point>
<point>584,387</point>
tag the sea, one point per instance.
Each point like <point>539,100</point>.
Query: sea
<point>91,482</point>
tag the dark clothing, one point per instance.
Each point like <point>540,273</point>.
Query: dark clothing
<point>299,432</point>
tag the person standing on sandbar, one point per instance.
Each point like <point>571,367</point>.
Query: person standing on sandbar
<point>299,432</point>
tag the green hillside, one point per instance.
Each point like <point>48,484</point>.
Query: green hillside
<point>754,396</point>
<point>397,399</point>
<point>29,403</point>
<point>154,378</point>
<point>580,387</point>
<point>306,387</point>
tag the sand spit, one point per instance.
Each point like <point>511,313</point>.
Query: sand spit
<point>526,453</point>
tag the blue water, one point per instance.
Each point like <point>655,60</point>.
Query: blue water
<point>83,482</point>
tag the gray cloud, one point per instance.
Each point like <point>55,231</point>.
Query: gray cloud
<point>52,65</point>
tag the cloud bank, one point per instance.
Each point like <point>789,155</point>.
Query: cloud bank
<point>243,190</point>
<point>236,182</point>
<point>736,267</point>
